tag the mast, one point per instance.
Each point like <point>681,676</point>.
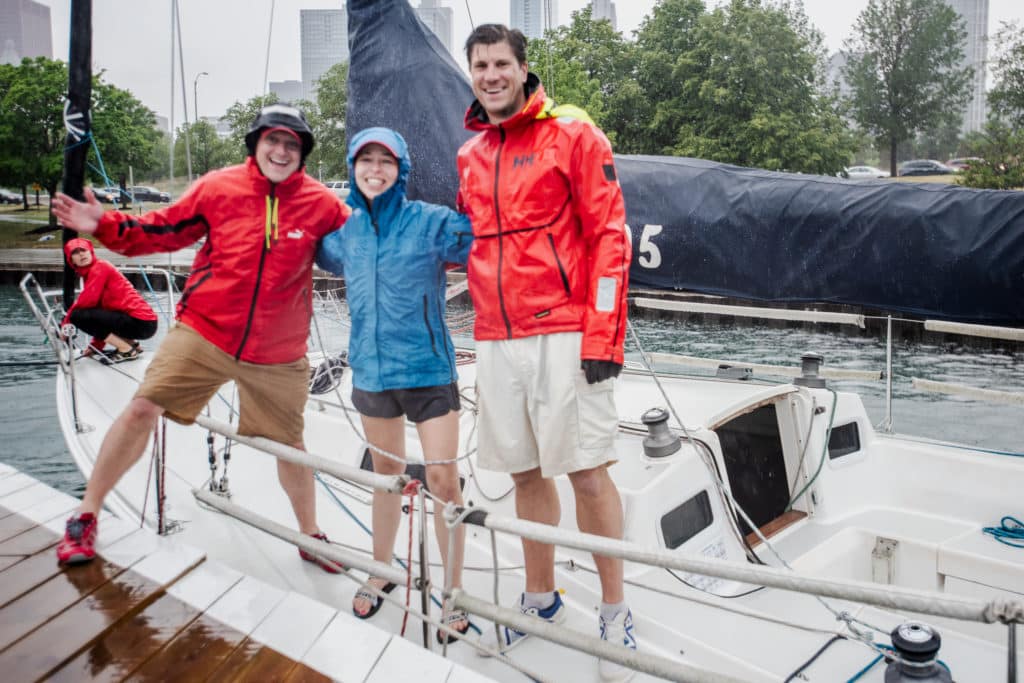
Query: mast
<point>76,120</point>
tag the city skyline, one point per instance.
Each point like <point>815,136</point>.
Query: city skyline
<point>24,31</point>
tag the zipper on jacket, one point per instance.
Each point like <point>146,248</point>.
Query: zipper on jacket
<point>558,262</point>
<point>426,321</point>
<point>497,218</point>
<point>255,291</point>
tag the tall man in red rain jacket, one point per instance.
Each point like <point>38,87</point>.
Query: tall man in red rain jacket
<point>243,315</point>
<point>548,274</point>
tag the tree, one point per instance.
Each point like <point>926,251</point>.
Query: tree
<point>1001,143</point>
<point>741,84</point>
<point>32,125</point>
<point>904,69</point>
<point>125,133</point>
<point>329,124</point>
<point>208,150</point>
<point>32,132</point>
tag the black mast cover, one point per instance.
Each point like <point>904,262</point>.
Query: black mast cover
<point>929,250</point>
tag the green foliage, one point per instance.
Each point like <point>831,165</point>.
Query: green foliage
<point>328,123</point>
<point>740,84</point>
<point>1003,169</point>
<point>904,70</point>
<point>208,151</point>
<point>1006,99</point>
<point>32,132</point>
<point>32,124</point>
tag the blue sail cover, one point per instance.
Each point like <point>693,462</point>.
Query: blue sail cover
<point>931,250</point>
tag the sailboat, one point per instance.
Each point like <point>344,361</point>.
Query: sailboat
<point>771,531</point>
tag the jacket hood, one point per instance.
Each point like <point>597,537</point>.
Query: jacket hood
<point>476,118</point>
<point>395,144</point>
<point>79,243</point>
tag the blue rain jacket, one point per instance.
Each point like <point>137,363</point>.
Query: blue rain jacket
<point>393,258</point>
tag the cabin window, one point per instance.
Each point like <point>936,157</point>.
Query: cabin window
<point>686,521</point>
<point>843,440</point>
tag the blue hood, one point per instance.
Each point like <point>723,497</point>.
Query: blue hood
<point>396,144</point>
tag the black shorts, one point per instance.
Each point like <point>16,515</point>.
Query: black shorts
<point>419,405</point>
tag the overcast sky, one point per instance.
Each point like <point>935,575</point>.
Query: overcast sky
<point>228,39</point>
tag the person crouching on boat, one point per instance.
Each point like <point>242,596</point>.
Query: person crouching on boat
<point>548,274</point>
<point>108,308</point>
<point>243,315</point>
<point>393,253</point>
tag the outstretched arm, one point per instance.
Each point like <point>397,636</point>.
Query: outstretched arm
<point>81,216</point>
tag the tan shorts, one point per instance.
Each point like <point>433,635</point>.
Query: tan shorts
<point>187,371</point>
<point>537,410</point>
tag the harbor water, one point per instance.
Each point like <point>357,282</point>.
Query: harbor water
<point>31,440</point>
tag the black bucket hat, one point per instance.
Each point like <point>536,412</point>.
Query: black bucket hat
<point>280,115</point>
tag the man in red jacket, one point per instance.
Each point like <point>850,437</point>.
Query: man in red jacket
<point>548,273</point>
<point>243,315</point>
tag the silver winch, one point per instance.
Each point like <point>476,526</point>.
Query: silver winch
<point>917,645</point>
<point>810,363</point>
<point>660,442</point>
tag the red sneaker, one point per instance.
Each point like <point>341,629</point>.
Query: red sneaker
<point>325,564</point>
<point>78,546</point>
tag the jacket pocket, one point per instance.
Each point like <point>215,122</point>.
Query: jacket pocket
<point>426,323</point>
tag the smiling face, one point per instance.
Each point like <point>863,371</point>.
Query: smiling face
<point>375,170</point>
<point>498,80</point>
<point>81,258</point>
<point>278,154</point>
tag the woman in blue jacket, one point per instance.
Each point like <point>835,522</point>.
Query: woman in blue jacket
<point>393,253</point>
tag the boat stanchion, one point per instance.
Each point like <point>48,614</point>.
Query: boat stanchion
<point>1011,646</point>
<point>917,646</point>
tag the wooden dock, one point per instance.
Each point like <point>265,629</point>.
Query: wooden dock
<point>150,609</point>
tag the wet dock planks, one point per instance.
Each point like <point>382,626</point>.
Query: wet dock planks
<point>149,609</point>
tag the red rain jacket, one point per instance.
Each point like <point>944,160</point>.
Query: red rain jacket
<point>550,250</point>
<point>104,287</point>
<point>250,289</point>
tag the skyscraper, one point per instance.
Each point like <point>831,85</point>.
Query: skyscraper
<point>975,16</point>
<point>604,9</point>
<point>323,34</point>
<point>24,31</point>
<point>533,17</point>
<point>438,19</point>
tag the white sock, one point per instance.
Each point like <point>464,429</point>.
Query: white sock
<point>539,600</point>
<point>610,611</point>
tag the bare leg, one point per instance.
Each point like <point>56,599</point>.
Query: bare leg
<point>118,343</point>
<point>121,448</point>
<point>388,434</point>
<point>537,501</point>
<point>440,439</point>
<point>297,482</point>
<point>599,511</point>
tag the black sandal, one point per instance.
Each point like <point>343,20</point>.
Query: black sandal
<point>445,638</point>
<point>376,602</point>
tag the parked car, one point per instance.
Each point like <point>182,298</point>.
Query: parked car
<point>9,197</point>
<point>339,187</point>
<point>924,167</point>
<point>865,172</point>
<point>963,163</point>
<point>144,193</point>
<point>106,195</point>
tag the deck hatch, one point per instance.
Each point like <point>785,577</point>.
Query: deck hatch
<point>684,522</point>
<point>843,440</point>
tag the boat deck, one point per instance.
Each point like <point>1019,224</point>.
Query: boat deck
<point>149,608</point>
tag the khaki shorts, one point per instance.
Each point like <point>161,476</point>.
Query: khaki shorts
<point>187,371</point>
<point>537,410</point>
